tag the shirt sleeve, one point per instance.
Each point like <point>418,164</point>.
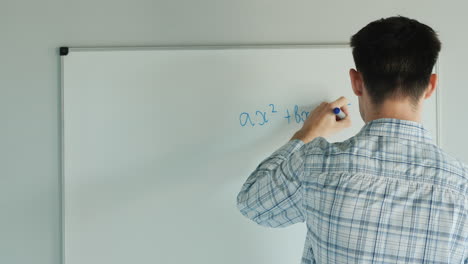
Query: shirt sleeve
<point>272,194</point>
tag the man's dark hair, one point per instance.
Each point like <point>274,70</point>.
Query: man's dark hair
<point>395,56</point>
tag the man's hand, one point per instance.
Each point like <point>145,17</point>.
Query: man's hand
<point>323,122</point>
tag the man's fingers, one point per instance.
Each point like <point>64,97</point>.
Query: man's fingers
<point>340,102</point>
<point>345,109</point>
<point>345,122</point>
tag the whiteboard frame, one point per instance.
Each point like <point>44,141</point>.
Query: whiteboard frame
<point>189,47</point>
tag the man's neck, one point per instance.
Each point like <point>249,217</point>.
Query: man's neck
<point>399,109</point>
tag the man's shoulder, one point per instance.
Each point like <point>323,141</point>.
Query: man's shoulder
<point>427,154</point>
<point>460,167</point>
<point>321,145</point>
<point>452,171</point>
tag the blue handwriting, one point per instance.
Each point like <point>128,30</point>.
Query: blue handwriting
<point>262,117</point>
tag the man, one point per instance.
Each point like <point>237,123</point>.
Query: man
<point>386,195</point>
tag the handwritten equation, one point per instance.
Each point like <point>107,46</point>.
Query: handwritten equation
<point>271,112</point>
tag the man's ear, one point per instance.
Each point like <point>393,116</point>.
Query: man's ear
<point>432,86</point>
<point>357,82</point>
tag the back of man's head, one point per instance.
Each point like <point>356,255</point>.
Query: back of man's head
<point>395,56</point>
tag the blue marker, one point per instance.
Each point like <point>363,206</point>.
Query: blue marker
<point>340,114</point>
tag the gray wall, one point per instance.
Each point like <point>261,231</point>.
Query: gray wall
<point>32,30</point>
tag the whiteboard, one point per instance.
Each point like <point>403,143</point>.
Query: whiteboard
<point>158,141</point>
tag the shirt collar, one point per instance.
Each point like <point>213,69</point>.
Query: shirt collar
<point>398,128</point>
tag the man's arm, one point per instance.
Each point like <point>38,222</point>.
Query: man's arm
<point>272,195</point>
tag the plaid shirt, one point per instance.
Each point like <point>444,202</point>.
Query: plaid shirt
<point>386,195</point>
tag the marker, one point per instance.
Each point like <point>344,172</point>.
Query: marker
<point>340,114</point>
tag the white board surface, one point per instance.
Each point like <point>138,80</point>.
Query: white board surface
<point>157,143</point>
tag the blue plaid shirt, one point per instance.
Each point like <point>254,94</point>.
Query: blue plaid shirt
<point>386,195</point>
